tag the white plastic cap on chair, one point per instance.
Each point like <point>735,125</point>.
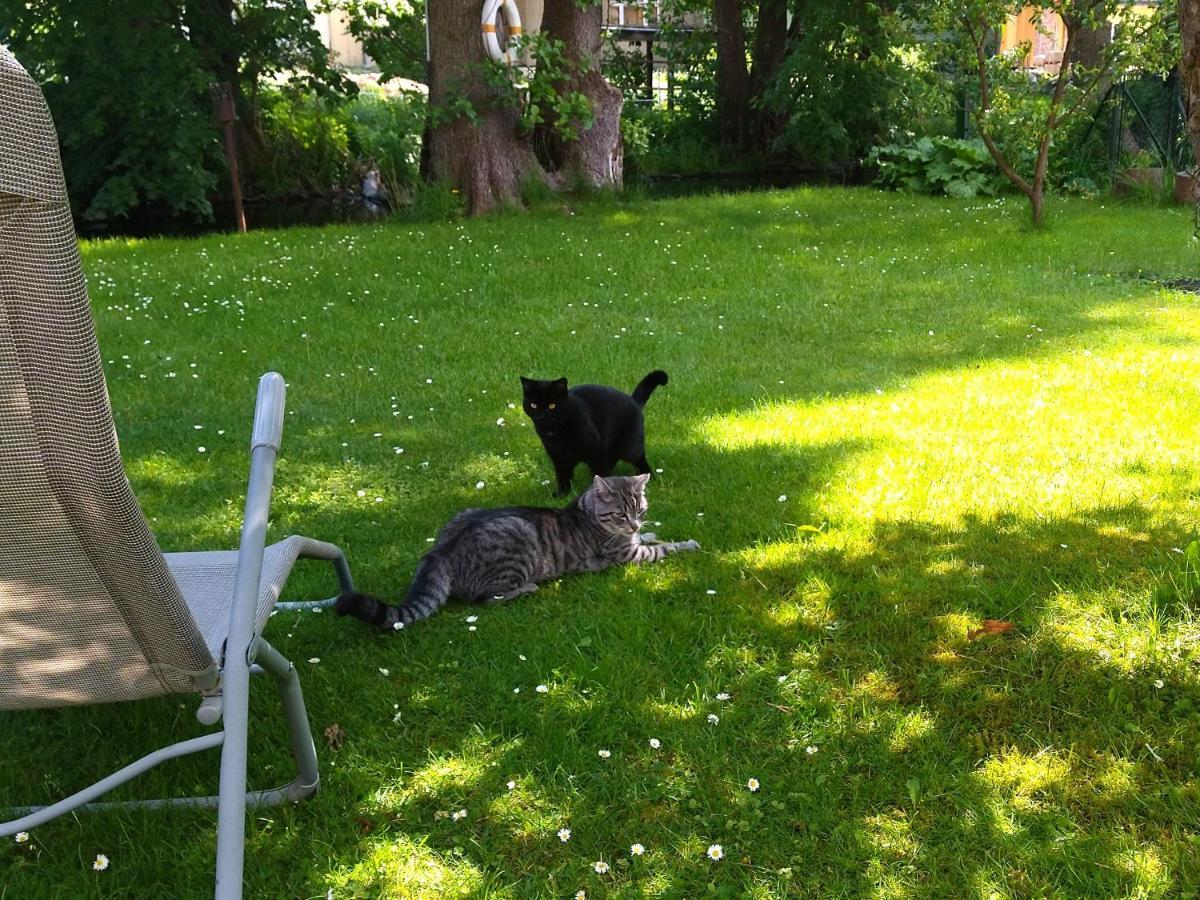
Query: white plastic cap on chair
<point>268,412</point>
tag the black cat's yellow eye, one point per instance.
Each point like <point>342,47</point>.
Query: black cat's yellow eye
<point>552,405</point>
<point>533,406</point>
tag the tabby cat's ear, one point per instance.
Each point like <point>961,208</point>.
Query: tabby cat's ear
<point>601,487</point>
<point>640,481</point>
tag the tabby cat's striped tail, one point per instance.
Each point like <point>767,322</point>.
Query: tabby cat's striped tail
<point>427,594</point>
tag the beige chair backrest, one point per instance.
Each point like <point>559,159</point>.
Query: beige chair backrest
<point>88,609</point>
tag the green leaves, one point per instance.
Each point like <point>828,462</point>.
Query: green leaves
<point>956,168</point>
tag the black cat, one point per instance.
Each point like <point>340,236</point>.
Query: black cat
<point>590,423</point>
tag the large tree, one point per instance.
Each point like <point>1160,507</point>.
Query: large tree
<point>593,152</point>
<point>1189,69</point>
<point>482,119</point>
<point>476,146</point>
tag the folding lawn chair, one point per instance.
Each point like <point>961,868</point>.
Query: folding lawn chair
<point>91,611</point>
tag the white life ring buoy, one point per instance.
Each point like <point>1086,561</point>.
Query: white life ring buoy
<point>490,28</point>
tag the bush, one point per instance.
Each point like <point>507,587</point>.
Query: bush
<point>660,141</point>
<point>307,146</point>
<point>939,165</point>
<point>315,145</point>
<point>385,134</point>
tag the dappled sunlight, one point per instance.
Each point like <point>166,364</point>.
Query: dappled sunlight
<point>1026,782</point>
<point>405,867</point>
<point>1146,868</point>
<point>909,730</point>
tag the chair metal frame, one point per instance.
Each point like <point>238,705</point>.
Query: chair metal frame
<point>245,653</point>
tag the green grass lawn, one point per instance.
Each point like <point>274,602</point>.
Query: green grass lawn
<point>888,419</point>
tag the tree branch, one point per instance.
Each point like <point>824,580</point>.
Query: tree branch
<point>985,104</point>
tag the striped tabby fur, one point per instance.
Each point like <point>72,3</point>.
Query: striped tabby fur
<point>490,555</point>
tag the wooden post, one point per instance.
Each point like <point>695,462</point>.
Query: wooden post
<point>649,68</point>
<point>225,112</point>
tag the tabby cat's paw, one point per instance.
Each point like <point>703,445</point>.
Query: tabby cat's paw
<point>688,545</point>
<point>647,537</point>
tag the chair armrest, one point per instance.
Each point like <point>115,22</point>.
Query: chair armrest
<point>264,446</point>
<point>268,412</point>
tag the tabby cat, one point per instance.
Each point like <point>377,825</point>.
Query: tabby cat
<point>489,555</point>
<point>589,423</point>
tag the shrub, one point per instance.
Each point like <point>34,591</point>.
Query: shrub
<point>385,134</point>
<point>307,146</point>
<point>938,165</point>
<point>315,145</point>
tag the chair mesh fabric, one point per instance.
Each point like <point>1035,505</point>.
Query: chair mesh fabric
<point>89,611</point>
<point>206,580</point>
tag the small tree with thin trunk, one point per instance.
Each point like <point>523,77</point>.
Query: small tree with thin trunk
<point>1050,100</point>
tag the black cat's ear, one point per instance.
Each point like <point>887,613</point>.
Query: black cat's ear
<point>602,488</point>
<point>526,382</point>
<point>559,384</point>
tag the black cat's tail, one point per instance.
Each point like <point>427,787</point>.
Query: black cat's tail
<point>429,591</point>
<point>646,386</point>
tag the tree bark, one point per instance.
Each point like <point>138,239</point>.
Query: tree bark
<point>1189,69</point>
<point>597,157</point>
<point>770,50</point>
<point>486,160</point>
<point>733,82</point>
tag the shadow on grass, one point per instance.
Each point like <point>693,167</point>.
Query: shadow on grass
<point>1028,762</point>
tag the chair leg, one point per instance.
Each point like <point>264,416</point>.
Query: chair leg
<point>231,804</point>
<point>303,749</point>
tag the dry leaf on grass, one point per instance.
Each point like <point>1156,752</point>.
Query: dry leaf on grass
<point>335,736</point>
<point>990,626</point>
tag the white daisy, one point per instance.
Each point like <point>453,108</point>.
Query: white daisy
<point>716,852</point>
<point>471,619</point>
<point>783,498</point>
<point>600,866</point>
<point>542,689</point>
<point>511,785</point>
<point>636,850</point>
<point>314,659</point>
<point>604,754</point>
<point>384,672</point>
<point>753,785</point>
<point>810,749</point>
<point>655,743</point>
<point>724,695</point>
<point>564,834</point>
<point>22,837</point>
<point>713,719</point>
<point>1158,683</point>
<point>461,814</point>
<point>397,626</point>
<point>581,895</point>
<point>100,863</point>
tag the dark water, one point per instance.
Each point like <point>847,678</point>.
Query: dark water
<point>286,213</point>
<point>345,207</point>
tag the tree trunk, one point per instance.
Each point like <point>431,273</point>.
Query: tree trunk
<point>597,157</point>
<point>733,82</point>
<point>486,160</point>
<point>770,49</point>
<point>1189,69</point>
